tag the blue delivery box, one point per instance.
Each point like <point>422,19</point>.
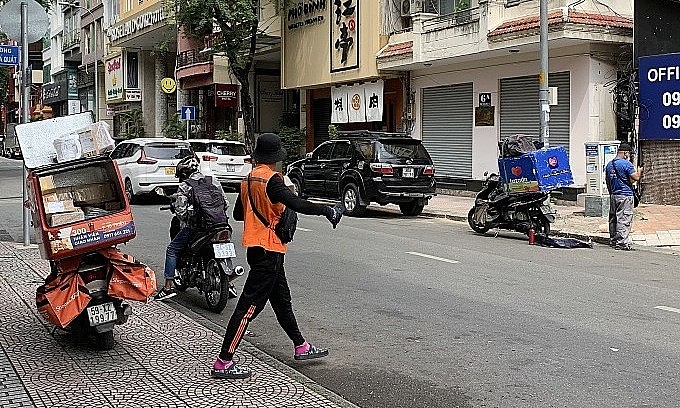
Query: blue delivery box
<point>543,170</point>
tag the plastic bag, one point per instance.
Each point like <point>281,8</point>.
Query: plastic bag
<point>68,147</point>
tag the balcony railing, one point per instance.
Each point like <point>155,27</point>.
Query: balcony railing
<point>191,57</point>
<point>451,20</point>
<point>70,39</point>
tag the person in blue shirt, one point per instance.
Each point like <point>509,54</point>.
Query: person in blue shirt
<point>620,176</point>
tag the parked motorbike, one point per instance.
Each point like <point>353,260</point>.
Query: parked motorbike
<point>521,212</point>
<point>206,264</point>
<point>103,312</point>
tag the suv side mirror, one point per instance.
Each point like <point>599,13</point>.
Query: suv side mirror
<point>308,155</point>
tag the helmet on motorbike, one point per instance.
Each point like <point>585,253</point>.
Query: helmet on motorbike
<point>186,167</point>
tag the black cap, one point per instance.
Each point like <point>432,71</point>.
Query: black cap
<point>624,147</point>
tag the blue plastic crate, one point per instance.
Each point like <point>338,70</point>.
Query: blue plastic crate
<point>543,170</point>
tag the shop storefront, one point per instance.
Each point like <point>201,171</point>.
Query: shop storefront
<point>328,52</point>
<point>62,94</point>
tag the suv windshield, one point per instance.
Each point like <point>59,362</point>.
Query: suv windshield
<point>167,151</point>
<point>398,150</point>
<point>222,149</point>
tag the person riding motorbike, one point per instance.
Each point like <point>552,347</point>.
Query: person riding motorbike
<point>191,213</point>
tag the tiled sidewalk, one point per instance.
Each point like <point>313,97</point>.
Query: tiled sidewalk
<point>161,359</point>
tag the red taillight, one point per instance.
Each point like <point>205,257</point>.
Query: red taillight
<point>428,171</point>
<point>209,158</point>
<point>247,160</point>
<point>145,160</point>
<point>382,169</point>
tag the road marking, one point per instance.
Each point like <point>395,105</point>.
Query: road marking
<point>668,309</point>
<point>303,229</point>
<point>436,258</point>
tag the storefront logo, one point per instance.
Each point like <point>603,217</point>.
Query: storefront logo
<point>130,27</point>
<point>356,102</point>
<point>553,162</point>
<point>306,12</point>
<point>114,71</point>
<point>516,171</point>
<point>345,35</point>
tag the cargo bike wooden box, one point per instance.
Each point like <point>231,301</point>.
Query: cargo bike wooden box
<point>80,212</point>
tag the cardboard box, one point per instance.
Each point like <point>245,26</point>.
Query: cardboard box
<point>94,193</point>
<point>543,170</point>
<point>66,218</point>
<point>96,139</point>
<point>57,195</point>
<point>47,184</point>
<point>63,206</point>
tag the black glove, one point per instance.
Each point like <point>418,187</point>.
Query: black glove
<point>334,214</point>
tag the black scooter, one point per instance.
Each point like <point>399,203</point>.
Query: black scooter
<point>206,264</point>
<point>521,212</point>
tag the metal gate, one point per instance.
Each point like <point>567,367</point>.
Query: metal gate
<point>447,128</point>
<point>520,110</point>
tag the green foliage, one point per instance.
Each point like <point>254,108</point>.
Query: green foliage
<point>174,128</point>
<point>332,132</point>
<point>227,135</point>
<point>132,124</point>
<point>462,5</point>
<point>292,139</point>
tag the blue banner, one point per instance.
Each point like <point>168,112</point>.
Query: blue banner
<point>9,55</point>
<point>660,97</point>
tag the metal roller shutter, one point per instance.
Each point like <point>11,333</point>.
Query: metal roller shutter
<point>520,111</point>
<point>447,128</point>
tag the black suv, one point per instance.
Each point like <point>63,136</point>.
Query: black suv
<point>363,167</point>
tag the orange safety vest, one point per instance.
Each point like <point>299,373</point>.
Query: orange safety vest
<point>255,233</point>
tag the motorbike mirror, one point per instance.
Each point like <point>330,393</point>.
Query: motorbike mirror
<point>308,155</point>
<point>486,173</point>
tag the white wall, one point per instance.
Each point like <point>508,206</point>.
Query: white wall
<point>591,112</point>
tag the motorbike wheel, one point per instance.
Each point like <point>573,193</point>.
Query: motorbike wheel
<point>217,294</point>
<point>104,341</point>
<point>471,220</point>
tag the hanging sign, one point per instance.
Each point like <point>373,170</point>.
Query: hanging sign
<point>344,35</point>
<point>168,85</point>
<point>660,97</point>
<point>357,104</point>
<point>373,91</point>
<point>339,108</point>
<point>226,95</point>
<point>113,76</point>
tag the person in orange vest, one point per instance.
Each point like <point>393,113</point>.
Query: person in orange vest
<point>265,252</point>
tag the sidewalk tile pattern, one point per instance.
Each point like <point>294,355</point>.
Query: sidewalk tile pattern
<point>162,359</point>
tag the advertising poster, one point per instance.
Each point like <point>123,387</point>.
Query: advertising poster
<point>344,35</point>
<point>113,78</point>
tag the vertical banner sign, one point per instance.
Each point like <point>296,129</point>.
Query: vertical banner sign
<point>339,107</point>
<point>660,97</point>
<point>113,77</point>
<point>373,92</point>
<point>357,107</point>
<point>344,35</point>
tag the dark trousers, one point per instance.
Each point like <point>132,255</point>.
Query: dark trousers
<point>266,282</point>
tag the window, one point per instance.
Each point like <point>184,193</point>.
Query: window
<point>342,150</point>
<point>165,151</point>
<point>119,151</point>
<point>227,149</point>
<point>47,75</point>
<point>132,68</point>
<point>323,152</point>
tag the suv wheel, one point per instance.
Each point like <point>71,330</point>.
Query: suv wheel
<point>129,192</point>
<point>413,208</point>
<point>351,199</point>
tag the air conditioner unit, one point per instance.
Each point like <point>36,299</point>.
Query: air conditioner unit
<point>410,7</point>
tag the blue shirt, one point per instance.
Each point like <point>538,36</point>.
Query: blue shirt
<point>624,169</point>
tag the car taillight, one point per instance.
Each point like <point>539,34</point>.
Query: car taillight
<point>145,160</point>
<point>247,160</point>
<point>428,171</point>
<point>382,168</point>
<point>209,158</point>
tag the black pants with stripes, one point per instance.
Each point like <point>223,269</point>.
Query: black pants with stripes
<point>266,282</point>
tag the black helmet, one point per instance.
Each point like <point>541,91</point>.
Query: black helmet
<point>186,167</point>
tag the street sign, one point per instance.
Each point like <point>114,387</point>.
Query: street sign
<point>188,113</point>
<point>660,97</point>
<point>9,55</point>
<point>10,20</point>
<point>485,99</point>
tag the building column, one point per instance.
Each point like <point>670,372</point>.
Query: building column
<point>161,116</point>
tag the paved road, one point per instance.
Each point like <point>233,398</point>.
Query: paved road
<point>423,313</point>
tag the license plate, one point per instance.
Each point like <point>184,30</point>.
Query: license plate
<point>408,172</point>
<point>170,171</point>
<point>101,314</point>
<point>223,251</point>
<point>231,168</point>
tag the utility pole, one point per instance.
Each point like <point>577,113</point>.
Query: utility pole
<point>544,103</point>
<point>25,102</point>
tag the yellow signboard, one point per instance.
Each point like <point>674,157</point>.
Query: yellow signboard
<point>168,85</point>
